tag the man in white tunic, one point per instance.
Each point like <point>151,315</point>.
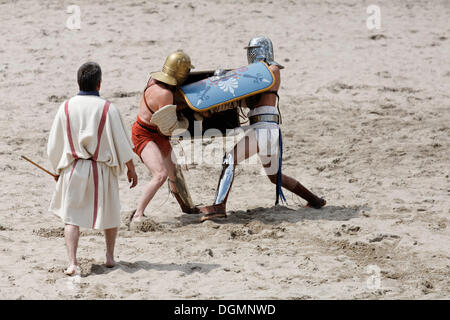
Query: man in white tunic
<point>88,148</point>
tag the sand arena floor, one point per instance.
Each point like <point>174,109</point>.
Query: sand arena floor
<point>366,124</point>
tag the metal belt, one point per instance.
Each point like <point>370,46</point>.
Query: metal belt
<point>265,118</point>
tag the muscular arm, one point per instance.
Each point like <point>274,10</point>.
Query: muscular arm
<point>276,72</point>
<point>131,173</point>
<point>161,98</point>
<point>156,97</point>
<point>164,111</point>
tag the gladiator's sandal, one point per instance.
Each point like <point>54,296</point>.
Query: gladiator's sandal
<point>213,212</point>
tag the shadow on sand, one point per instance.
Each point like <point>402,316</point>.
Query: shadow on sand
<point>132,267</point>
<point>280,214</point>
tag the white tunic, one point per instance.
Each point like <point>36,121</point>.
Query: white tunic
<point>87,192</point>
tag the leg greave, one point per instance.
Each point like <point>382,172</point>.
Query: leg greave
<point>226,178</point>
<point>182,193</point>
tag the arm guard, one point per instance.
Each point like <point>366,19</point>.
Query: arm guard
<point>167,121</point>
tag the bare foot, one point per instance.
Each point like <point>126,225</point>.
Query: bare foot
<point>137,222</point>
<point>139,218</point>
<point>136,217</point>
<point>72,270</point>
<point>110,263</point>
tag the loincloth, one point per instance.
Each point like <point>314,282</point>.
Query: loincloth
<point>142,134</point>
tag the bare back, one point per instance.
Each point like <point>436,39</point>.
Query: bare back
<point>156,96</point>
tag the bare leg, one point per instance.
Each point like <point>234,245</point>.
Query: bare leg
<point>170,169</point>
<point>71,235</point>
<point>110,239</point>
<point>245,148</point>
<point>154,161</point>
<point>292,185</point>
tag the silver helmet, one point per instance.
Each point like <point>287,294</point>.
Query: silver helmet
<point>261,49</point>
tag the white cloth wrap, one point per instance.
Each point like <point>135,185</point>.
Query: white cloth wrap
<point>267,133</point>
<point>167,121</point>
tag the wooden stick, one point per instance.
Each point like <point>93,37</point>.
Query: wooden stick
<point>43,169</point>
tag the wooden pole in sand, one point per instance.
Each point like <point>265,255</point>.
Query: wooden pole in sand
<point>43,169</point>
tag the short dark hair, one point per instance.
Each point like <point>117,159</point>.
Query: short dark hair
<point>89,75</point>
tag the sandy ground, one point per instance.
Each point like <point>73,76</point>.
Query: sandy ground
<point>366,125</point>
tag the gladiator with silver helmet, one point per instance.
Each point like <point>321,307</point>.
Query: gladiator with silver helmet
<point>261,49</point>
<point>262,136</point>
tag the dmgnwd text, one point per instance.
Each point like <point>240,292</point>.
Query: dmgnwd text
<point>232,309</point>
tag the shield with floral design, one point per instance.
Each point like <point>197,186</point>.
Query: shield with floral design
<point>234,85</point>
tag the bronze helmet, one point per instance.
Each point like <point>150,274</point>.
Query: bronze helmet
<point>175,70</point>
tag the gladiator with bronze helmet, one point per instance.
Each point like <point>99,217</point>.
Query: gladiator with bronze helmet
<point>156,122</point>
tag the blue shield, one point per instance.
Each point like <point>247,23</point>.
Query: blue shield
<point>236,84</point>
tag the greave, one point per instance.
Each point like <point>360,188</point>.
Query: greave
<point>226,178</point>
<point>182,193</point>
